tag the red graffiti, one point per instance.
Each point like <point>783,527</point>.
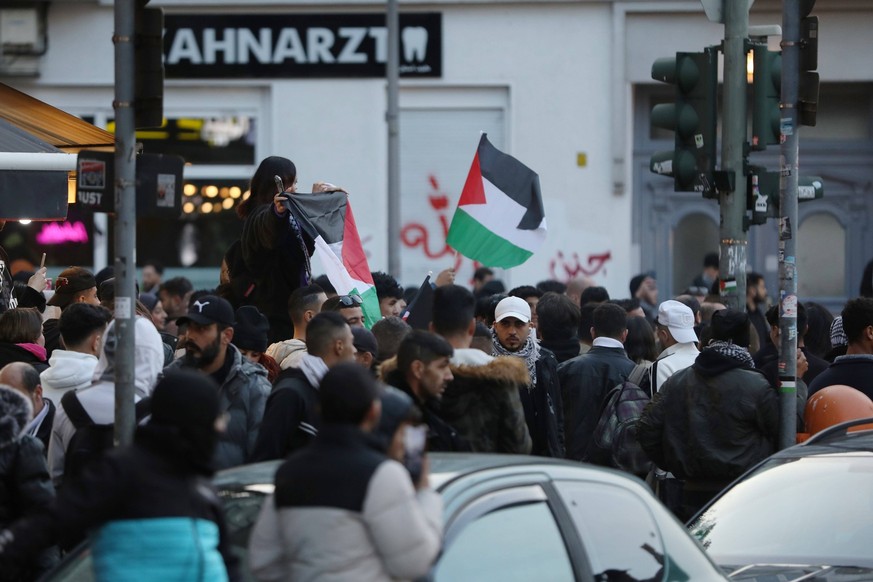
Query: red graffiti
<point>415,234</point>
<point>576,267</point>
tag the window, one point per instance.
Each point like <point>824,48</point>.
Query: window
<point>822,267</point>
<point>619,533</point>
<point>520,542</point>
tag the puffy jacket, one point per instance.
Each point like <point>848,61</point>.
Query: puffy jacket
<point>712,421</point>
<point>151,514</point>
<point>441,436</point>
<point>67,371</point>
<point>98,399</point>
<point>343,511</point>
<point>243,397</point>
<point>585,380</point>
<point>274,258</point>
<point>16,353</point>
<point>25,486</point>
<point>483,404</point>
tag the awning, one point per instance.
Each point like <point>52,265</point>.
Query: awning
<point>49,124</point>
<point>38,145</point>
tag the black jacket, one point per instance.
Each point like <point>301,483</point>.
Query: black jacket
<point>585,380</point>
<point>712,421</point>
<point>8,299</point>
<point>816,367</point>
<point>14,353</point>
<point>25,486</point>
<point>441,436</point>
<point>544,409</point>
<point>152,479</point>
<point>44,433</point>
<point>563,349</point>
<point>291,418</point>
<point>274,258</point>
<point>855,371</point>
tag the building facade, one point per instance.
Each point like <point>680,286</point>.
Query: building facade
<point>564,86</point>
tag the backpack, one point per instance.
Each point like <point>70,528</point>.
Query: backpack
<point>614,441</point>
<point>90,440</point>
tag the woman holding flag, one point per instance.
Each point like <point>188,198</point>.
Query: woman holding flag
<point>274,250</point>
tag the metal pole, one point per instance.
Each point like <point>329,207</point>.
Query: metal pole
<point>125,220</point>
<point>788,223</point>
<point>734,242</point>
<point>392,117</point>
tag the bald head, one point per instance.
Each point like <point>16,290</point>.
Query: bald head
<point>24,378</point>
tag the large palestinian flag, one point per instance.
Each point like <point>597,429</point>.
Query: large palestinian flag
<point>500,220</point>
<point>328,219</point>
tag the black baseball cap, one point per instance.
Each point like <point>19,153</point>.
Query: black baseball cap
<point>207,310</point>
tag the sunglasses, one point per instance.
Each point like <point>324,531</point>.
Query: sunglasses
<point>350,300</point>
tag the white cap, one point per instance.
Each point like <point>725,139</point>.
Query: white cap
<point>512,307</point>
<point>679,319</point>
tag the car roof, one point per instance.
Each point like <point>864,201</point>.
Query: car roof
<point>445,469</point>
<point>836,439</point>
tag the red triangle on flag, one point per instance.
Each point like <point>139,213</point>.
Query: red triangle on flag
<point>474,191</point>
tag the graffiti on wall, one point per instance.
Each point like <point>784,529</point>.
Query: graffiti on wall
<point>564,268</point>
<point>432,241</point>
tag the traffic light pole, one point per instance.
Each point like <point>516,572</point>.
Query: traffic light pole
<point>732,195</point>
<point>788,222</point>
<point>125,220</point>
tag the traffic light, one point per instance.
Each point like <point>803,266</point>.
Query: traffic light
<point>809,80</point>
<point>766,88</point>
<point>148,66</point>
<point>693,117</point>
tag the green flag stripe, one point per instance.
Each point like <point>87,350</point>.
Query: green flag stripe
<point>471,239</point>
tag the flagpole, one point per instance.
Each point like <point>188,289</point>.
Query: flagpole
<point>392,117</point>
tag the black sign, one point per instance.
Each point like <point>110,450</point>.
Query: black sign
<point>297,45</point>
<point>158,183</point>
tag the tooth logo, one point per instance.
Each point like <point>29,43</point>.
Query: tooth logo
<point>414,43</point>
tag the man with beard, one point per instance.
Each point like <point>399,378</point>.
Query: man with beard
<point>243,386</point>
<point>541,397</point>
<point>422,369</point>
<point>756,307</point>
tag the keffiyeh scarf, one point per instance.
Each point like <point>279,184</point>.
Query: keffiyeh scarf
<point>529,352</point>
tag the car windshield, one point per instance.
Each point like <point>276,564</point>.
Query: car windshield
<point>812,510</point>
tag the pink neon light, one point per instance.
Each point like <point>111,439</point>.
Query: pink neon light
<point>53,233</point>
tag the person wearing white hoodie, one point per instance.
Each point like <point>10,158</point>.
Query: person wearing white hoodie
<point>82,327</point>
<point>98,399</point>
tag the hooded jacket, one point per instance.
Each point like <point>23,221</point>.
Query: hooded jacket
<point>712,421</point>
<point>441,436</point>
<point>98,399</point>
<point>482,402</point>
<point>25,487</point>
<point>152,515</point>
<point>288,353</point>
<point>243,397</point>
<point>67,371</point>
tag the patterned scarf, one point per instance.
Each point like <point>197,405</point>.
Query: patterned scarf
<point>529,352</point>
<point>733,351</point>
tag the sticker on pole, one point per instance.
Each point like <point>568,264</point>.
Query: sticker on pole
<point>122,307</point>
<point>789,306</point>
<point>785,126</point>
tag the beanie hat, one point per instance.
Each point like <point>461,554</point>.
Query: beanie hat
<point>149,300</point>
<point>15,412</point>
<point>185,399</point>
<point>397,406</point>
<point>250,330</point>
<point>731,325</point>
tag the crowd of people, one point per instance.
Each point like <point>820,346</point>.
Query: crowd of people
<point>274,364</point>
